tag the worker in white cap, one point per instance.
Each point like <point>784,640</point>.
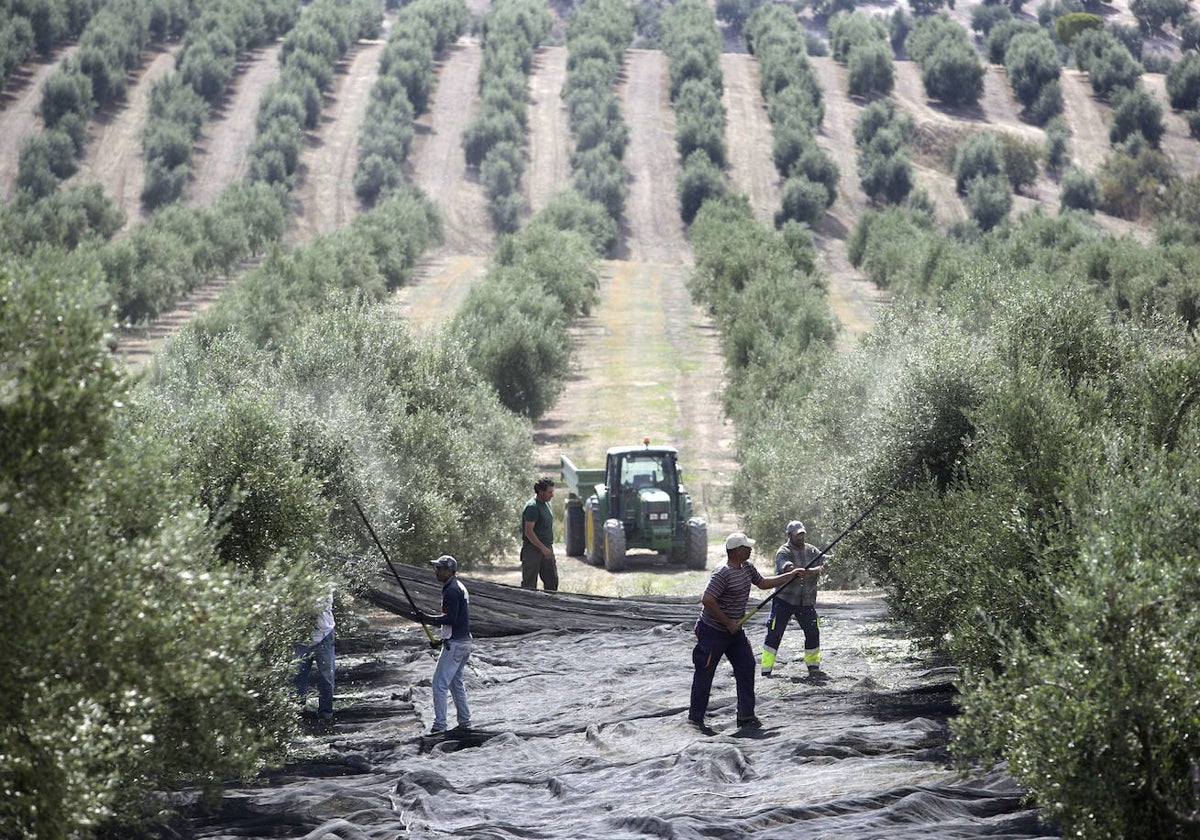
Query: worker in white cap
<point>719,631</point>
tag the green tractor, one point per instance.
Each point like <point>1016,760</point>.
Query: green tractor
<point>636,501</point>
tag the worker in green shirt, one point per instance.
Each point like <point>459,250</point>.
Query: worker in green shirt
<point>537,538</point>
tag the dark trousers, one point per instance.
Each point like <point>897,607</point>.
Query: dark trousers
<point>806,617</point>
<point>534,565</point>
<point>711,645</point>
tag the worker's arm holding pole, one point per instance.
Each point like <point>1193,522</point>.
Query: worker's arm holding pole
<point>811,568</point>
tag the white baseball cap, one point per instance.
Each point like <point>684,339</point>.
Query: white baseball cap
<point>736,540</point>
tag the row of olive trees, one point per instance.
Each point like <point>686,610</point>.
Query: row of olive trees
<point>860,42</point>
<point>1116,75</point>
<point>693,49</point>
<point>181,102</point>
<point>883,136</point>
<point>1032,63</point>
<point>950,68</point>
<point>598,33</point>
<point>65,219</point>
<point>495,139</point>
<point>131,630</point>
<point>513,324</point>
<point>292,104</point>
<point>165,541</point>
<point>988,168</point>
<point>422,32</point>
<point>795,107</point>
<point>38,28</point>
<point>110,46</point>
<point>762,288</point>
<point>1030,410</point>
<point>1029,430</point>
<point>1133,178</point>
<point>901,249</point>
<point>1183,89</point>
<point>370,257</point>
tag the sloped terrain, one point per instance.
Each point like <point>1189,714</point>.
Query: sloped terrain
<point>582,733</point>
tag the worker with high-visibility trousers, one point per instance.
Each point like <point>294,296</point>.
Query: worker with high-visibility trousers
<point>797,598</point>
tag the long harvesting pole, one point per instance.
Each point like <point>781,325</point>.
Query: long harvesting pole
<point>416,612</point>
<point>824,551</point>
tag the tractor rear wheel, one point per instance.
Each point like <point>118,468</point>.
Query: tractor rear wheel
<point>573,528</point>
<point>697,543</point>
<point>614,545</point>
<point>593,532</point>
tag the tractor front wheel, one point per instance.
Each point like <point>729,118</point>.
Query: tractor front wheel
<point>697,543</point>
<point>614,545</point>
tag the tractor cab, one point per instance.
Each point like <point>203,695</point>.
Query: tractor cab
<point>642,482</point>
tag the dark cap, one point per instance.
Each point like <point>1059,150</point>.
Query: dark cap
<point>794,527</point>
<point>445,562</point>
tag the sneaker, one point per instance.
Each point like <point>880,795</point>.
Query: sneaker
<point>749,723</point>
<point>703,727</point>
<point>436,730</point>
<point>464,726</point>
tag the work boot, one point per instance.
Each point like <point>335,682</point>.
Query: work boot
<point>749,723</point>
<point>816,674</point>
<point>766,673</point>
<point>703,727</point>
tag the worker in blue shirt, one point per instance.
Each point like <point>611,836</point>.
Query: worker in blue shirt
<point>454,624</point>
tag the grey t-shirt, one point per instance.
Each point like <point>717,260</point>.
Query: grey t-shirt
<point>801,592</point>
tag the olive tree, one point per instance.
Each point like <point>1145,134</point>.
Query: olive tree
<point>700,181</point>
<point>1183,82</point>
<point>1031,61</point>
<point>979,155</point>
<point>112,663</point>
<point>1080,191</point>
<point>1136,112</point>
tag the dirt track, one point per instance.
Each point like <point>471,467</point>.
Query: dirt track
<point>324,195</point>
<point>649,360</point>
<point>437,161</point>
<point>113,156</point>
<point>222,152</point>
<point>550,145</point>
<point>1088,119</point>
<point>18,114</point>
<point>749,141</point>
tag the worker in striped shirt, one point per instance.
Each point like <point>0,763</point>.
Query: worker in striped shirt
<point>719,630</point>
